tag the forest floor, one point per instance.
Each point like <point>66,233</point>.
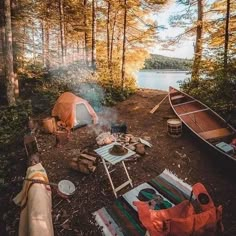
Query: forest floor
<point>74,217</point>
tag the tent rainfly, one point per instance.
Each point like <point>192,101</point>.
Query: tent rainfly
<point>74,111</point>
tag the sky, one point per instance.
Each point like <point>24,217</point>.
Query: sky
<point>182,50</point>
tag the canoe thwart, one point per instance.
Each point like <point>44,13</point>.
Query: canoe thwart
<point>177,97</point>
<point>216,133</point>
<point>183,103</point>
<point>192,112</point>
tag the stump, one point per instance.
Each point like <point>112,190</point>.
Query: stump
<point>31,144</point>
<point>61,138</point>
<point>49,125</point>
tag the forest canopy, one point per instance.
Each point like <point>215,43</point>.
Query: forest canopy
<point>111,39</point>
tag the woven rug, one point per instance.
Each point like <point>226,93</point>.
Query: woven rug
<point>121,218</point>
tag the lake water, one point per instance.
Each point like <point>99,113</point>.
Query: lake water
<point>159,79</point>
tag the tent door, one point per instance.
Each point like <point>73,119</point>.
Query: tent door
<point>82,115</point>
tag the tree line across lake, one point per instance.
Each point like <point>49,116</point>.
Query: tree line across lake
<point>167,63</point>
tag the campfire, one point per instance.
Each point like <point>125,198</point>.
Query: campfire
<point>116,143</point>
<point>125,141</point>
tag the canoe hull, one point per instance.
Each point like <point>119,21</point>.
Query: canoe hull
<point>204,123</point>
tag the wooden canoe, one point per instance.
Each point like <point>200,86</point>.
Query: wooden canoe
<point>204,122</point>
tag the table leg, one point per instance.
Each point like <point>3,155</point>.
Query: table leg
<point>130,180</point>
<point>109,177</point>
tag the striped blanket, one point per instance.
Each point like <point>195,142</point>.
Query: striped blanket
<point>162,192</point>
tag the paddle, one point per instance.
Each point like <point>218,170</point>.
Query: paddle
<point>64,188</point>
<point>157,106</point>
<point>39,181</point>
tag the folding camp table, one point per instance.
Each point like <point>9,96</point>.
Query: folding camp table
<point>108,159</point>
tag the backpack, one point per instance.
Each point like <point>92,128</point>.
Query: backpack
<point>182,219</point>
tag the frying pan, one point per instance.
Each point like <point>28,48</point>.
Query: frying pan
<point>65,188</point>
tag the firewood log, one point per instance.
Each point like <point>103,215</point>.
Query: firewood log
<point>84,163</point>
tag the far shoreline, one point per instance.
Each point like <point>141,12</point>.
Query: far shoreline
<point>164,71</point>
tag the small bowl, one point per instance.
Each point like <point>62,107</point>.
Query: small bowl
<point>65,188</point>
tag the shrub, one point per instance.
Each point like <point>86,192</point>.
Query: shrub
<point>13,123</point>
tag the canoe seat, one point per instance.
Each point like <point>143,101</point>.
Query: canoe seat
<point>215,133</point>
<point>177,97</point>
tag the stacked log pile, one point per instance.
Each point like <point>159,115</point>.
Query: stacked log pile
<point>84,163</point>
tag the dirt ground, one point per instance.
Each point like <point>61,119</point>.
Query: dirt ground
<point>188,158</point>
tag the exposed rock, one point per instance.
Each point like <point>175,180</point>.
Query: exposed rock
<point>131,147</point>
<point>140,149</point>
<point>105,138</point>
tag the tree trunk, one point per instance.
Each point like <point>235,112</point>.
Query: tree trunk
<point>124,46</point>
<point>77,51</point>
<point>10,76</point>
<point>33,42</point>
<point>226,46</point>
<point>94,34</point>
<point>108,33</point>
<point>47,53</point>
<point>62,30</point>
<point>43,43</point>
<point>23,48</point>
<point>2,38</point>
<point>111,47</point>
<point>66,41</point>
<point>16,47</point>
<point>58,47</point>
<point>73,53</point>
<point>2,52</point>
<point>198,45</point>
<point>15,34</point>
<point>85,33</point>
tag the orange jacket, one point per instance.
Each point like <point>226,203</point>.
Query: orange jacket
<point>181,220</point>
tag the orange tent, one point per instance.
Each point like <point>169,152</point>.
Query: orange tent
<point>74,111</point>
